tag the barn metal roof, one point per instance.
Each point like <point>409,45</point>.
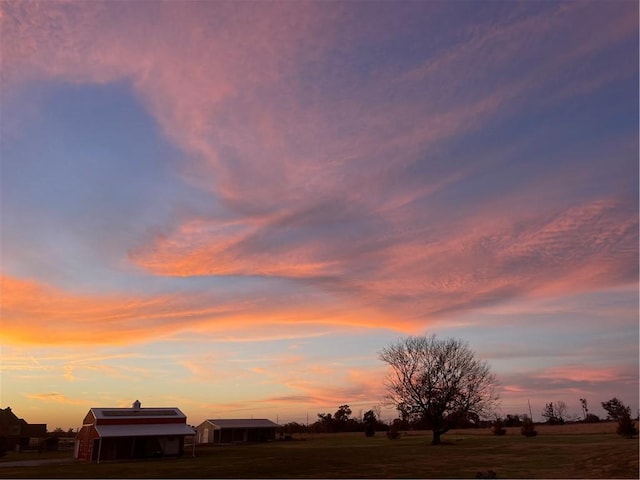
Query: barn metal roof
<point>144,430</point>
<point>164,412</point>
<point>243,423</point>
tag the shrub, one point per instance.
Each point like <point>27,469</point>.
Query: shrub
<point>497,429</point>
<point>626,427</point>
<point>527,428</point>
<point>370,430</point>
<point>393,432</point>
<point>591,418</point>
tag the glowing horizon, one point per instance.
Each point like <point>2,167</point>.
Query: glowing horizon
<point>230,208</point>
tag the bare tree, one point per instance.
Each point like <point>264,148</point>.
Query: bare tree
<point>441,380</point>
<point>555,413</point>
<point>561,410</point>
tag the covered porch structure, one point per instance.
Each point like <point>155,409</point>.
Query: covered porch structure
<point>123,442</point>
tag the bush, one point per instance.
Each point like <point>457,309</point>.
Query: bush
<point>497,428</point>
<point>591,418</point>
<point>393,432</point>
<point>370,430</point>
<point>626,427</point>
<point>527,428</point>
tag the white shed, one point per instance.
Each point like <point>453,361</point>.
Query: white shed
<point>220,431</point>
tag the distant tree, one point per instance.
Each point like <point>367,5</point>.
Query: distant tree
<point>497,427</point>
<point>527,428</point>
<point>561,411</point>
<point>370,422</point>
<point>626,426</point>
<point>343,413</point>
<point>616,409</point>
<point>512,421</point>
<point>294,427</point>
<point>394,429</point>
<point>440,380</point>
<point>555,413</point>
<point>585,409</point>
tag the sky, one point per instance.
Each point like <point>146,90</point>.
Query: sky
<point>233,207</point>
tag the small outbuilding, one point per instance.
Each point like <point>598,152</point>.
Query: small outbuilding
<point>127,433</point>
<point>219,431</point>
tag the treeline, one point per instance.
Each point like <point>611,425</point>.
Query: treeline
<point>371,422</point>
<point>554,413</point>
<point>341,421</point>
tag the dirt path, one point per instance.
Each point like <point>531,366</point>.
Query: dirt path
<point>37,462</point>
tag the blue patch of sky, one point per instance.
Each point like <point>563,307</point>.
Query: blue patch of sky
<point>548,142</point>
<point>87,178</point>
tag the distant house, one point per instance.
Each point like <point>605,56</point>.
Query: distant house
<point>18,432</point>
<point>236,431</point>
<point>126,433</point>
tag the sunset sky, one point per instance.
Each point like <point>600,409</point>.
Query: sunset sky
<point>232,207</point>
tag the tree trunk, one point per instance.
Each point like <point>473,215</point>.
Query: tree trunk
<point>436,436</point>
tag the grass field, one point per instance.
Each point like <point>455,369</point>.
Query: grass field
<point>571,451</point>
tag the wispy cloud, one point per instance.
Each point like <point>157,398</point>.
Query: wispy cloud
<point>396,168</point>
<point>55,397</point>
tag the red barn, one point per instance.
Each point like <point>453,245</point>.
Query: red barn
<point>126,433</point>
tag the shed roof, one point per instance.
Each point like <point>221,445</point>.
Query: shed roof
<point>153,430</point>
<point>163,412</point>
<point>243,423</point>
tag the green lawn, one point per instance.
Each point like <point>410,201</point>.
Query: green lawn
<point>355,456</point>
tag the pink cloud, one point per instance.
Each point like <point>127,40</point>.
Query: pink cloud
<point>287,163</point>
<point>55,397</point>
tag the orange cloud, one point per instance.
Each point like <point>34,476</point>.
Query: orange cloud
<point>35,313</point>
<point>55,397</point>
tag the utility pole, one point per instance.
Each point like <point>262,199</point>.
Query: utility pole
<point>530,414</point>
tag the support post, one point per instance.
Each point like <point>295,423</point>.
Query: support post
<point>194,446</point>
<point>99,449</point>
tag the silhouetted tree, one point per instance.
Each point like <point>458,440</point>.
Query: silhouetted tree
<point>616,409</point>
<point>370,422</point>
<point>626,426</point>
<point>341,420</point>
<point>512,421</point>
<point>294,427</point>
<point>441,380</point>
<point>555,413</point>
<point>394,430</point>
<point>325,422</point>
<point>585,409</point>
